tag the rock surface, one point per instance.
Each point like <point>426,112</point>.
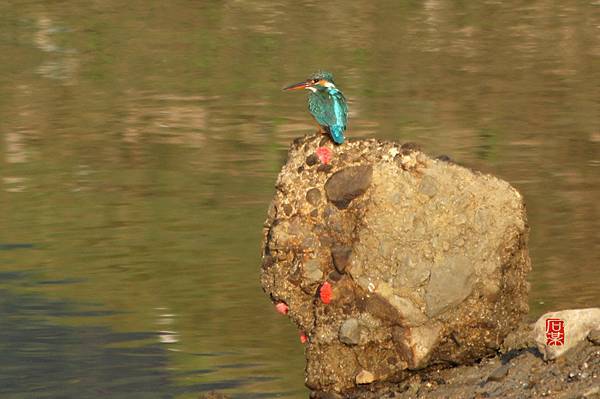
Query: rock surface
<point>426,260</point>
<point>577,325</point>
<point>517,374</point>
<point>594,336</point>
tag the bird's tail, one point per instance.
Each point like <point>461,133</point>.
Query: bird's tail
<point>337,133</point>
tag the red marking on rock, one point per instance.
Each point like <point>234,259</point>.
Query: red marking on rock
<point>282,307</point>
<point>303,338</point>
<point>326,292</point>
<point>324,154</point>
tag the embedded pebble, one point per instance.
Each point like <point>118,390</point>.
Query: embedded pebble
<point>312,159</point>
<point>594,336</point>
<point>341,257</point>
<point>313,196</point>
<point>347,184</point>
<point>312,271</point>
<point>364,377</point>
<point>350,332</point>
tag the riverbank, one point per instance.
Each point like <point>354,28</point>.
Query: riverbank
<point>517,373</point>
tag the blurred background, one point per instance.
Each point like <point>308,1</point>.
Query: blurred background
<point>140,142</point>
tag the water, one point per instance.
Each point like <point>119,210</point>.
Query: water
<point>139,144</point>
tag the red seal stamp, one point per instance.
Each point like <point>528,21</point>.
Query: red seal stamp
<point>555,332</point>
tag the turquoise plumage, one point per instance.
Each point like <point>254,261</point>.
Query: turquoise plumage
<point>326,103</point>
<point>329,108</point>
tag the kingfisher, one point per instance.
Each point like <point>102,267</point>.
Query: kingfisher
<point>326,103</point>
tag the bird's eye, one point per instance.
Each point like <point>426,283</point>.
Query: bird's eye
<point>315,81</point>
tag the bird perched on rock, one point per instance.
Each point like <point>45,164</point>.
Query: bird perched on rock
<point>326,103</point>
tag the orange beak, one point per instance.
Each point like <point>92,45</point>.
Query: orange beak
<point>298,86</point>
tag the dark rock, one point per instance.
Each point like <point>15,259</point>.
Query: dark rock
<point>444,158</point>
<point>267,261</point>
<point>335,276</point>
<point>297,142</point>
<point>347,184</point>
<point>341,257</point>
<point>594,336</point>
<point>409,147</point>
<point>312,159</point>
<point>324,168</point>
<point>380,308</point>
<point>313,196</point>
<point>455,338</point>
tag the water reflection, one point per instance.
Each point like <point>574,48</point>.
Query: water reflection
<point>41,356</point>
<point>49,350</point>
<point>63,65</point>
<point>139,148</point>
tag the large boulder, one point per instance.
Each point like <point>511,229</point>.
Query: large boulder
<point>390,261</point>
